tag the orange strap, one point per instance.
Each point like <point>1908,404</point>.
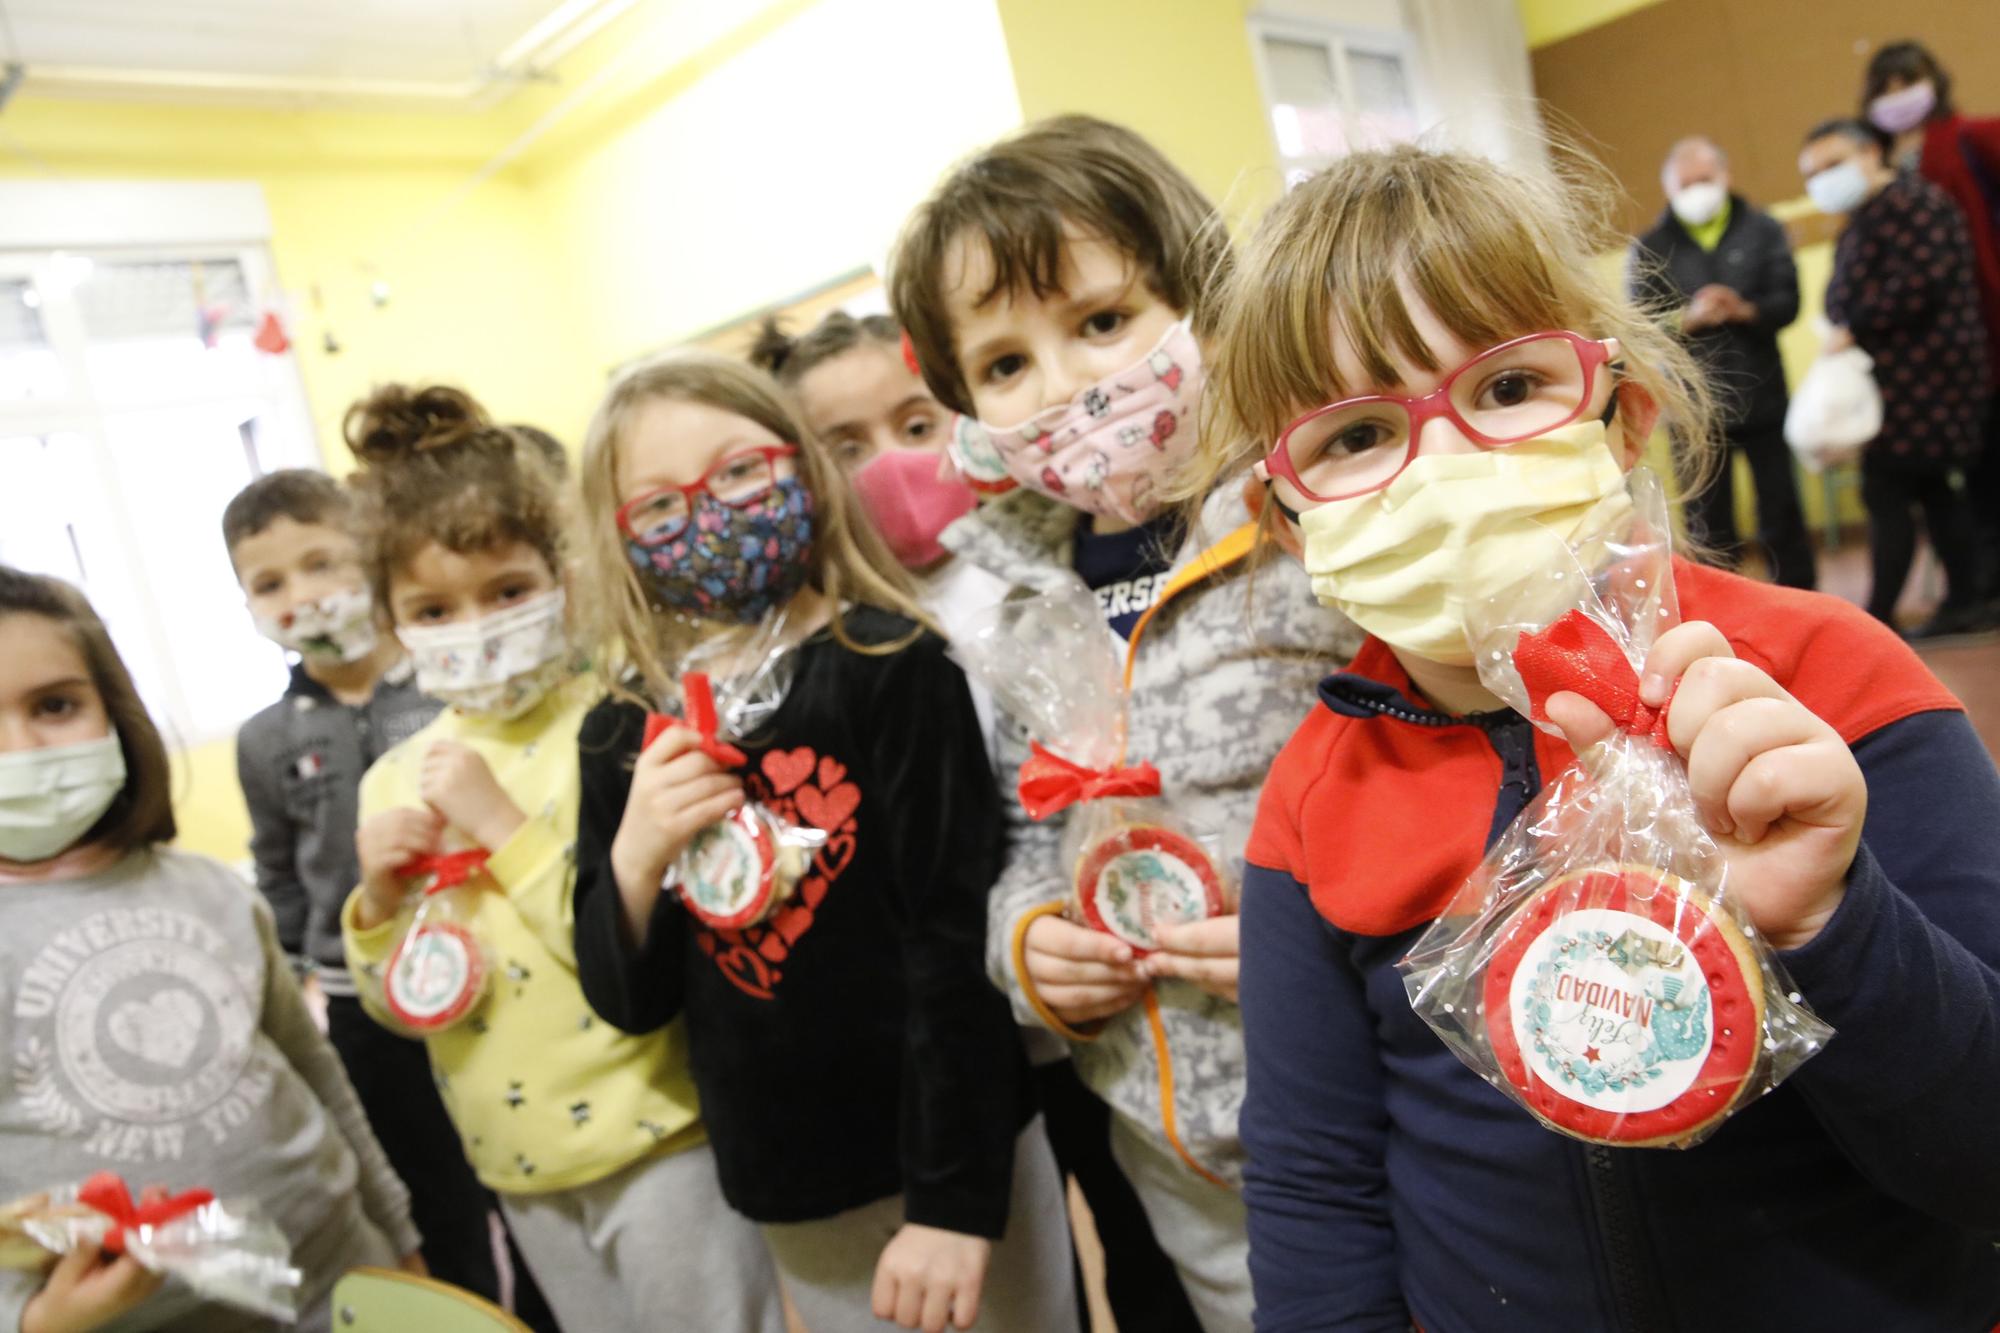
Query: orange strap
<point>1229,551</point>
<point>1035,1002</point>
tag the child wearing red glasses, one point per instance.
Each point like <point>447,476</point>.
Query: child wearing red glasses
<point>1423,337</point>
<point>591,1138</point>
<point>863,1086</point>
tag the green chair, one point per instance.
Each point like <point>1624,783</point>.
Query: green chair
<point>382,1300</point>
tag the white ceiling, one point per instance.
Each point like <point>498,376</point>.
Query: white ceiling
<point>443,50</point>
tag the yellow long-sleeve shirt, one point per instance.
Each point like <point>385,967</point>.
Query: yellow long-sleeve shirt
<point>546,1095</point>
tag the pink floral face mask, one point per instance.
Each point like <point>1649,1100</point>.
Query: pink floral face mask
<point>1104,451</point>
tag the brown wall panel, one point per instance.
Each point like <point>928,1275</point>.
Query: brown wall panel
<point>1753,74</point>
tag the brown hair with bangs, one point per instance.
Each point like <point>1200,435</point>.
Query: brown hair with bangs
<point>1492,252</point>
<point>1017,195</point>
<point>849,561</point>
<point>143,812</point>
<point>436,469</point>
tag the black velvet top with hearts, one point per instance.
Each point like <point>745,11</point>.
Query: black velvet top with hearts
<point>851,1046</point>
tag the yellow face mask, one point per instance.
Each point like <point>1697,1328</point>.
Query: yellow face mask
<point>1405,561</point>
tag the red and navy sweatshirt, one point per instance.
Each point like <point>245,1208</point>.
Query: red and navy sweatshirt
<point>1389,1185</point>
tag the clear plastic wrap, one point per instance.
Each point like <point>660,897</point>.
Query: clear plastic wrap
<point>224,1252</point>
<point>741,869</point>
<point>1136,864</point>
<point>1594,968</point>
<point>440,967</point>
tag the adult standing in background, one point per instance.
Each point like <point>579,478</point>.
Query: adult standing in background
<point>1722,272</point>
<point>1903,288</point>
<point>1907,95</point>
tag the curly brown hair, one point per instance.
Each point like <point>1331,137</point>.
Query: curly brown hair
<point>436,469</point>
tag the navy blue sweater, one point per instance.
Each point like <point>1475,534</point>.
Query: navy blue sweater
<point>1388,1184</point>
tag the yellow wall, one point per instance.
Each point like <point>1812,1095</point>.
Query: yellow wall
<point>1181,72</point>
<point>1548,21</point>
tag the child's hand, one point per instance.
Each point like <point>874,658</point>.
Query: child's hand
<point>677,791</point>
<point>1081,975</point>
<point>1777,786</point>
<point>458,784</point>
<point>1203,952</point>
<point>929,1278</point>
<point>83,1293</point>
<point>386,843</point>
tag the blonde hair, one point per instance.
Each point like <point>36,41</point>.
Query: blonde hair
<point>849,561</point>
<point>1493,253</point>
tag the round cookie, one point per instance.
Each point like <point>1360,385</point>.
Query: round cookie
<point>732,877</point>
<point>1140,877</point>
<point>1624,1009</point>
<point>435,976</point>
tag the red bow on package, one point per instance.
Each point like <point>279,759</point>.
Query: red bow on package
<point>447,870</point>
<point>700,697</point>
<point>106,1193</point>
<point>1577,654</point>
<point>1049,782</point>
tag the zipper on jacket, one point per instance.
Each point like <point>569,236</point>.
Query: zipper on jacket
<point>1635,1300</point>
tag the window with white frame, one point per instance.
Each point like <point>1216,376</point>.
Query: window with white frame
<point>134,402</point>
<point>1331,90</point>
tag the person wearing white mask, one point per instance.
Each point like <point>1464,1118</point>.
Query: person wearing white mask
<point>1721,272</point>
<point>1908,94</point>
<point>591,1138</point>
<point>1905,289</point>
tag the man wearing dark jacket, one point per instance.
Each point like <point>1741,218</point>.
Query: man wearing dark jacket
<point>1721,273</point>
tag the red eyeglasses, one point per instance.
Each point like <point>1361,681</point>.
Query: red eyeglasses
<point>1506,394</point>
<point>738,480</point>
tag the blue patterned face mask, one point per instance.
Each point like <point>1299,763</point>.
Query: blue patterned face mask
<point>732,563</point>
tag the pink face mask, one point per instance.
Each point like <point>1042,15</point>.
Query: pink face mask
<point>1904,109</point>
<point>1103,452</point>
<point>911,500</point>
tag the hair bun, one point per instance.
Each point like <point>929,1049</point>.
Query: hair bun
<point>773,347</point>
<point>397,420</point>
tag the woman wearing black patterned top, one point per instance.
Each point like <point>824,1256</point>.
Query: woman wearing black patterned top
<point>1905,288</point>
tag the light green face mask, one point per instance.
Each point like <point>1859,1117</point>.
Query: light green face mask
<point>50,797</point>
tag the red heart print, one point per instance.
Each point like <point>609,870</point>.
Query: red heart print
<point>833,857</point>
<point>751,974</point>
<point>831,770</point>
<point>788,768</point>
<point>828,809</point>
<point>813,891</point>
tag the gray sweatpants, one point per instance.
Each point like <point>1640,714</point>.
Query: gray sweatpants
<point>1202,1227</point>
<point>652,1249</point>
<point>829,1265</point>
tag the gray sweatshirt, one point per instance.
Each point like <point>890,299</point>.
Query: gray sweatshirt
<point>1222,678</point>
<point>149,1025</point>
<point>300,762</point>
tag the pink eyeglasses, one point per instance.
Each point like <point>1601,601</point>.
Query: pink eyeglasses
<point>739,480</point>
<point>1506,394</point>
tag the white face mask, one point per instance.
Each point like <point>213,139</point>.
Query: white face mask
<point>1838,189</point>
<point>497,666</point>
<point>1404,562</point>
<point>337,629</point>
<point>1697,205</point>
<point>52,796</point>
<point>1904,109</point>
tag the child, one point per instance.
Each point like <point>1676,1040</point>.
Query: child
<point>352,696</point>
<point>1048,287</point>
<point>153,1024</point>
<point>591,1139</point>
<point>863,1084</point>
<point>1388,1183</point>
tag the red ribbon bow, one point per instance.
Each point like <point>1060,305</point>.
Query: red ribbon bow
<point>1049,782</point>
<point>700,697</point>
<point>107,1193</point>
<point>1577,654</point>
<point>447,870</point>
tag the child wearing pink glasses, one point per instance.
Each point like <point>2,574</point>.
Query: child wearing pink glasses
<point>863,1087</point>
<point>1418,357</point>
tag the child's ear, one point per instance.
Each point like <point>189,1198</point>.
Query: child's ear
<point>1638,414</point>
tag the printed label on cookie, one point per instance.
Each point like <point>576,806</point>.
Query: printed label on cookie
<point>729,870</point>
<point>1612,1011</point>
<point>435,977</point>
<point>1140,880</point>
